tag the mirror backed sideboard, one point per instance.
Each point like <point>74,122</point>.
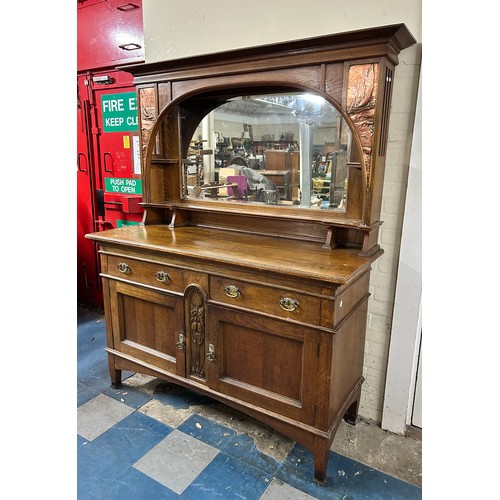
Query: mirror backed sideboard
<point>248,277</point>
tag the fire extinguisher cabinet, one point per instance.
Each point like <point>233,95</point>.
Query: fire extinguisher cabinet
<point>109,185</point>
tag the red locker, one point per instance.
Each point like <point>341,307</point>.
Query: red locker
<point>109,185</point>
<point>110,33</point>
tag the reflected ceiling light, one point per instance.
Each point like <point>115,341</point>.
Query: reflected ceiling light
<point>316,99</point>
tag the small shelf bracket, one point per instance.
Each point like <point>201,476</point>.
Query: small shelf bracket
<point>331,240</point>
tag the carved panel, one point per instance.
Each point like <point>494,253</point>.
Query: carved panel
<point>195,311</point>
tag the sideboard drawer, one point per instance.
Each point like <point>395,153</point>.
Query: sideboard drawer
<point>150,273</point>
<point>266,299</point>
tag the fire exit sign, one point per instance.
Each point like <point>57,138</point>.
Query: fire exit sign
<point>119,112</point>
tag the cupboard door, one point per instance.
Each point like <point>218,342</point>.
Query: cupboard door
<point>148,326</point>
<point>269,363</point>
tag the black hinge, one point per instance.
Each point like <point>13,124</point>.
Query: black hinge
<point>100,202</point>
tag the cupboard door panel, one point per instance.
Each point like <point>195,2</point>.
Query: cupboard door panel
<point>146,325</point>
<point>256,358</point>
<point>265,362</point>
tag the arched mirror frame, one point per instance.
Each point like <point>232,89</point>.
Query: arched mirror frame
<point>319,65</point>
<point>184,136</point>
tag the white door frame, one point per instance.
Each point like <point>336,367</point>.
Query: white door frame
<point>416,413</point>
<point>406,320</point>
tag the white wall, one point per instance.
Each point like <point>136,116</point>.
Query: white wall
<point>178,29</point>
<point>406,319</point>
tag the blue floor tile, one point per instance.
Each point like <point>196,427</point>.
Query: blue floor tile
<point>346,479</point>
<point>206,430</point>
<point>92,360</point>
<point>227,477</point>
<point>132,437</point>
<point>97,470</point>
<point>134,485</point>
<point>80,441</point>
<point>135,398</point>
<point>103,475</point>
<point>179,397</point>
<point>105,464</point>
<point>92,371</point>
<point>239,446</point>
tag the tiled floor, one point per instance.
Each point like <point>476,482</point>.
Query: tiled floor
<point>153,440</point>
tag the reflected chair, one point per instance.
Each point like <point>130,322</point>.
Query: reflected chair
<point>239,191</point>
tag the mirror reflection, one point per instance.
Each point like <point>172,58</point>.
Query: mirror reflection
<point>287,149</point>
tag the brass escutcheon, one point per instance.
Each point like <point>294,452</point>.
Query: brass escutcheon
<point>181,344</point>
<point>211,352</point>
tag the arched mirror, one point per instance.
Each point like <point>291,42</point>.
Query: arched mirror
<point>284,149</point>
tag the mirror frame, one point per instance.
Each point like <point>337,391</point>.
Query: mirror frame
<point>231,92</point>
<point>320,65</point>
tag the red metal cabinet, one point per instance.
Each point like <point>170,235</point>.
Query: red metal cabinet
<point>110,33</point>
<point>109,185</point>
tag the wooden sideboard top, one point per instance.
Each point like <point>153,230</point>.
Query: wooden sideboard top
<point>295,258</point>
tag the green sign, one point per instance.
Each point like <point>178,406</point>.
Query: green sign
<point>123,186</point>
<point>119,112</point>
<point>121,223</point>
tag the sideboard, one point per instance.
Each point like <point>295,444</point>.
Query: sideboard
<point>259,302</point>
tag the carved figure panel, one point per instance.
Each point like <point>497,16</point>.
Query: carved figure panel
<point>195,311</point>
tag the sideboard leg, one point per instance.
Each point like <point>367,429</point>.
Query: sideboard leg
<point>321,453</point>
<point>116,375</point>
<point>351,415</point>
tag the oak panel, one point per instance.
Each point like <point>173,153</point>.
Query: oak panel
<point>146,325</point>
<point>266,299</point>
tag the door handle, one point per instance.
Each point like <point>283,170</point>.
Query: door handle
<point>108,155</point>
<point>80,169</point>
<point>289,304</point>
<point>130,46</point>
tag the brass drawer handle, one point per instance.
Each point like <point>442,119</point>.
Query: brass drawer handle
<point>162,276</point>
<point>232,291</point>
<point>211,353</point>
<point>123,267</point>
<point>289,304</point>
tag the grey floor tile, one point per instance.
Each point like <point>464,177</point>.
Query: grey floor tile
<point>99,414</point>
<point>177,460</point>
<point>278,490</point>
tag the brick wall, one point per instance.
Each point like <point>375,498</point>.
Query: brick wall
<point>384,275</point>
